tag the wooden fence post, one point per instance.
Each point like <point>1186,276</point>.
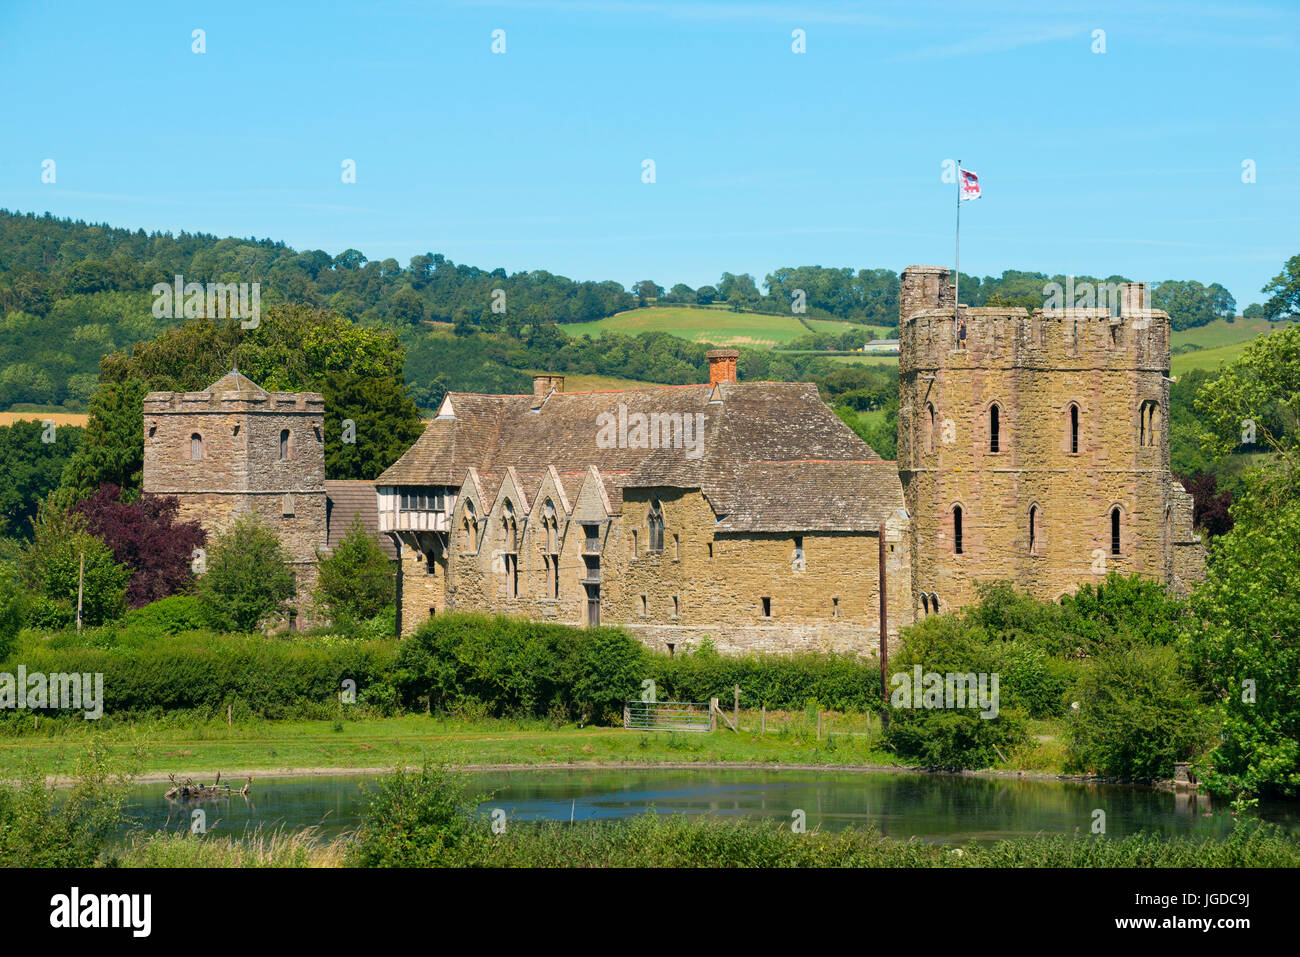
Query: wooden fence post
<point>819,724</point>
<point>763,725</point>
<point>735,709</point>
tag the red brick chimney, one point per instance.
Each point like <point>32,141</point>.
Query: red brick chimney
<point>722,366</point>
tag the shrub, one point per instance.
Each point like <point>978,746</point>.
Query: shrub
<point>39,828</point>
<point>248,578</point>
<point>951,738</point>
<point>954,740</point>
<point>1032,682</point>
<point>841,682</point>
<point>422,818</point>
<point>147,673</point>
<point>168,616</point>
<point>357,581</point>
<point>1138,716</point>
<point>1126,610</point>
<point>513,666</point>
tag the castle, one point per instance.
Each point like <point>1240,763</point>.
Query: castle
<point>1031,448</point>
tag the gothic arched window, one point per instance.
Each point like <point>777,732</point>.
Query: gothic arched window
<point>656,543</point>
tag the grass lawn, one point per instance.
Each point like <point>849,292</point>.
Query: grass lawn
<point>200,749</point>
<point>717,326</point>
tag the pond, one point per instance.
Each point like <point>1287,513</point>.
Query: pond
<point>940,808</point>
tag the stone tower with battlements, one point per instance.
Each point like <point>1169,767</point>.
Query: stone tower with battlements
<point>234,448</point>
<point>1034,448</point>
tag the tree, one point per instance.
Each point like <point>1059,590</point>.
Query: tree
<point>1211,508</point>
<point>32,468</point>
<point>112,450</point>
<point>1284,291</point>
<point>293,349</point>
<point>647,289</point>
<point>145,536</point>
<point>1247,648</point>
<point>357,581</point>
<point>13,609</point>
<point>52,565</point>
<point>1190,304</point>
<point>740,291</point>
<point>406,307</point>
<point>705,295</point>
<point>248,579</point>
<point>1258,398</point>
<point>385,423</point>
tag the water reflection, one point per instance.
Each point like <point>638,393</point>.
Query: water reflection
<point>926,807</point>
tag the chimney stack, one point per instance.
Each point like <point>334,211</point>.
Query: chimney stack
<point>722,366</point>
<point>1133,298</point>
<point>544,385</point>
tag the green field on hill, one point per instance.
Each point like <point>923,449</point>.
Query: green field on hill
<point>721,327</point>
<point>1222,342</point>
<point>1223,333</point>
<point>864,358</point>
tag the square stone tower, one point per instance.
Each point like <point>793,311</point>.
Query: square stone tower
<point>1034,448</point>
<point>234,448</point>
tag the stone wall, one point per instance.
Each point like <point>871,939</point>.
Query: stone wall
<point>700,585</point>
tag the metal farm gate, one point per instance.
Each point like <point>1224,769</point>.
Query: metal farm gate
<point>668,716</point>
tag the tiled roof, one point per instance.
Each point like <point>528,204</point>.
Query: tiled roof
<point>807,496</point>
<point>777,435</point>
<point>347,498</point>
<point>236,381</point>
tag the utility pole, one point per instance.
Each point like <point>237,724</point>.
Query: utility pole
<point>884,634</point>
<point>81,581</point>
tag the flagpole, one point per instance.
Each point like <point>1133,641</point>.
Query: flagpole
<point>956,290</point>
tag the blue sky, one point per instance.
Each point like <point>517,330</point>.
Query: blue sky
<point>1128,161</point>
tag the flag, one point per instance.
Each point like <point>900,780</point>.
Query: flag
<point>970,184</point>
